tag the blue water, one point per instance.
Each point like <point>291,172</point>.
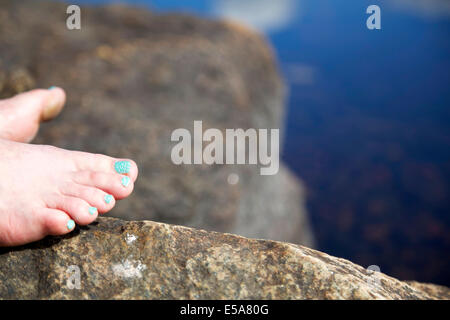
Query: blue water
<point>368,123</point>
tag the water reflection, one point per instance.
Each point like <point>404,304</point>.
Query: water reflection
<point>263,15</point>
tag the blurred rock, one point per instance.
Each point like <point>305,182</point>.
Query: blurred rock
<point>132,77</point>
<point>116,259</point>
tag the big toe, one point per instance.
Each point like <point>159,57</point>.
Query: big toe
<point>53,104</point>
<point>101,163</point>
<point>45,104</point>
<point>20,115</point>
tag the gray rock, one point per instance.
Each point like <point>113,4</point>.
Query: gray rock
<point>119,259</point>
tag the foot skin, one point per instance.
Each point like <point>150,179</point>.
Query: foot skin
<point>21,115</point>
<point>47,191</point>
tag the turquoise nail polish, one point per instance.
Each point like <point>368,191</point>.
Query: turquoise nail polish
<point>70,224</point>
<point>92,210</point>
<point>125,181</point>
<point>52,87</point>
<point>109,198</point>
<point>122,166</point>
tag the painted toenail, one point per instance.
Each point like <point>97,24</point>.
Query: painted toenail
<point>92,210</point>
<point>125,181</point>
<point>122,166</point>
<point>51,88</point>
<point>109,198</point>
<point>70,224</point>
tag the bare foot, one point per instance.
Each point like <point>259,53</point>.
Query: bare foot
<point>45,190</point>
<point>21,115</point>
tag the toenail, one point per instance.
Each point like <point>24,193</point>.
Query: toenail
<point>92,210</point>
<point>109,198</point>
<point>122,166</point>
<point>125,181</point>
<point>51,88</point>
<point>70,224</point>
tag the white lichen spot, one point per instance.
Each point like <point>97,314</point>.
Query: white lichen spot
<point>129,268</point>
<point>130,238</point>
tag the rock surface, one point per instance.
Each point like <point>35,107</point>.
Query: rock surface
<point>147,260</point>
<point>132,77</point>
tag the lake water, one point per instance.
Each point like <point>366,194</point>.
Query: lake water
<point>368,123</point>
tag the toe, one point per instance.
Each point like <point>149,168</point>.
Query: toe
<point>127,167</point>
<point>119,186</point>
<point>26,110</point>
<point>78,209</point>
<point>53,103</point>
<point>100,163</point>
<point>56,222</point>
<point>47,103</point>
<point>95,197</point>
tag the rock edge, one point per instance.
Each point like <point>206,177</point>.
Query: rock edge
<point>120,259</point>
